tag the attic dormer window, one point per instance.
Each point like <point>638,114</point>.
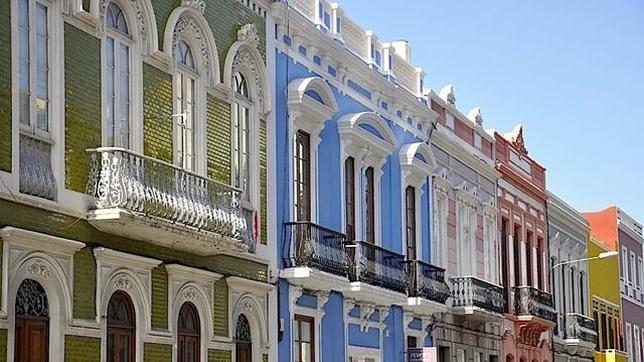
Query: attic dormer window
<point>323,15</point>
<point>376,56</point>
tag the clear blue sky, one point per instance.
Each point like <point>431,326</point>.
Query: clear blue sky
<point>571,71</point>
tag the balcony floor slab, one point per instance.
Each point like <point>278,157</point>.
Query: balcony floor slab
<point>364,292</point>
<point>477,313</point>
<point>161,232</point>
<point>314,279</point>
<point>424,306</point>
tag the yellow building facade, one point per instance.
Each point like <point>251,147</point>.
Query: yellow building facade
<point>606,304</point>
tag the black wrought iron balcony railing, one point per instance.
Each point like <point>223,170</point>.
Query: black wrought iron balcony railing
<point>471,291</point>
<point>580,327</point>
<point>426,281</point>
<point>123,179</point>
<point>317,247</point>
<point>529,301</point>
<point>377,266</point>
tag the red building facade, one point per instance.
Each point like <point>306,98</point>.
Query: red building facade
<point>521,200</point>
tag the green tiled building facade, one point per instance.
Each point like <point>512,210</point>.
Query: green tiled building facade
<point>133,166</point>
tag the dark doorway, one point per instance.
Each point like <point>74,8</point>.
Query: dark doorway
<point>243,340</point>
<point>120,329</point>
<point>32,323</point>
<point>188,336</point>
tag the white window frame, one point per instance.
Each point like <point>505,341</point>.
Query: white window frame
<point>136,79</point>
<point>367,151</point>
<point>414,172</point>
<point>490,247</point>
<point>636,344</point>
<point>317,314</point>
<point>248,202</point>
<point>56,112</point>
<point>466,217</point>
<point>199,114</point>
<point>629,341</point>
<point>440,213</point>
<point>625,264</point>
<point>632,268</point>
<point>308,115</point>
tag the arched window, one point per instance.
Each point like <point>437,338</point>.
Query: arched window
<point>184,106</point>
<point>32,322</point>
<point>243,341</point>
<point>188,334</point>
<point>241,131</point>
<point>120,329</point>
<point>117,84</point>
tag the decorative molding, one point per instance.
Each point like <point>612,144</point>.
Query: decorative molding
<point>447,94</point>
<point>197,4</point>
<point>516,139</point>
<point>123,283</point>
<point>187,24</point>
<point>348,306</point>
<point>139,15</point>
<point>476,116</point>
<point>190,294</point>
<point>38,268</point>
<point>295,292</point>
<point>243,59</point>
<point>366,311</point>
<point>248,33</point>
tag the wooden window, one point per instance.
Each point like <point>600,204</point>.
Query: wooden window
<point>540,269</point>
<point>303,339</point>
<point>302,176</point>
<point>370,207</point>
<point>529,265</point>
<point>120,329</point>
<point>517,255</point>
<point>188,336</point>
<point>349,195</point>
<point>410,221</point>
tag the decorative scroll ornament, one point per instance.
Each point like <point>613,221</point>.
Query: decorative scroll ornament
<point>197,4</point>
<point>39,269</point>
<point>244,60</point>
<point>187,24</point>
<point>248,33</point>
<point>516,138</point>
<point>123,283</point>
<point>31,299</point>
<point>190,294</point>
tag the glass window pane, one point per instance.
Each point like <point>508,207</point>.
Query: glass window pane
<point>24,108</point>
<point>42,119</point>
<point>110,347</point>
<point>306,352</point>
<point>23,16</point>
<point>306,331</point>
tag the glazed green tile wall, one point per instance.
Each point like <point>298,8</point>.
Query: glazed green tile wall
<point>154,352</point>
<point>157,112</point>
<point>217,355</point>
<point>82,104</point>
<point>3,345</point>
<point>160,298</point>
<point>84,284</point>
<point>5,86</point>
<point>220,308</point>
<point>82,349</point>
<point>218,139</point>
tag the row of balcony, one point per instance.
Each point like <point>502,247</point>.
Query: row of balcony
<point>326,250</point>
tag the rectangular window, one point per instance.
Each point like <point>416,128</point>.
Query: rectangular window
<point>505,262</point>
<point>184,127</point>
<point>36,176</point>
<point>629,341</point>
<point>410,222</point>
<point>604,332</point>
<point>624,263</point>
<point>302,176</point>
<point>636,343</point>
<point>370,224</point>
<point>444,354</point>
<point>631,276</point>
<point>517,255</point>
<point>117,93</point>
<point>412,342</point>
<point>338,24</point>
<point>439,236</point>
<point>490,259</point>
<point>303,339</point>
<point>529,245</point>
<point>540,268</point>
<point>349,195</point>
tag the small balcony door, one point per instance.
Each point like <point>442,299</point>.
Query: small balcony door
<point>410,222</point>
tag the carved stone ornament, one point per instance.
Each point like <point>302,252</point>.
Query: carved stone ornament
<point>140,18</point>
<point>248,33</point>
<point>190,294</point>
<point>197,4</point>
<point>187,24</point>
<point>516,138</point>
<point>38,269</point>
<point>123,283</point>
<point>244,60</point>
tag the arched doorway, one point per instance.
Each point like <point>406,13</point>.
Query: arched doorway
<point>243,342</point>
<point>120,329</point>
<point>32,323</point>
<point>188,336</point>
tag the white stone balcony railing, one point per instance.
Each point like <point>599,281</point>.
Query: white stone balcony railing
<point>141,197</point>
<point>472,292</point>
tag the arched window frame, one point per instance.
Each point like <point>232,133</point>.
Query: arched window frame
<point>189,75</point>
<point>440,212</point>
<point>248,101</point>
<point>415,172</point>
<point>115,327</point>
<point>135,85</point>
<point>368,151</point>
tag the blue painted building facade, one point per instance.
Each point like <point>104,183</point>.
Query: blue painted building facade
<point>354,186</point>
